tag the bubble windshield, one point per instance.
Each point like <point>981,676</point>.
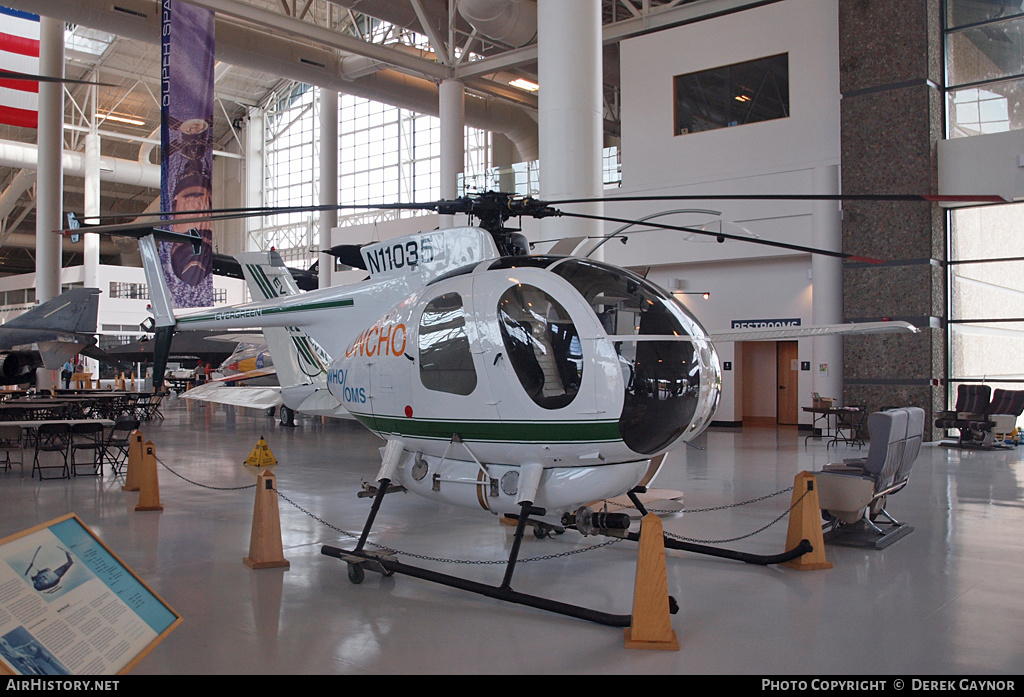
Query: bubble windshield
<point>665,378</point>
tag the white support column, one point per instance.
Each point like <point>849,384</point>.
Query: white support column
<point>254,146</point>
<point>328,179</point>
<point>827,286</point>
<point>91,205</point>
<point>50,180</point>
<point>452,112</point>
<point>570,113</point>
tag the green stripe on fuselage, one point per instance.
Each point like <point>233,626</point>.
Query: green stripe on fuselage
<point>235,313</point>
<point>496,431</point>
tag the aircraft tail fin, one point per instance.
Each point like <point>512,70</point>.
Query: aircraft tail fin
<point>297,358</point>
<point>71,311</point>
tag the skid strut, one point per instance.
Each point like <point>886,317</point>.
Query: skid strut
<point>358,559</point>
<point>799,550</point>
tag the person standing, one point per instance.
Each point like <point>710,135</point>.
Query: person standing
<point>66,372</point>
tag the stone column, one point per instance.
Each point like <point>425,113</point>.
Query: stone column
<point>892,118</point>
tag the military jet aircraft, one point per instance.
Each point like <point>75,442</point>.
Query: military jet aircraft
<point>48,335</point>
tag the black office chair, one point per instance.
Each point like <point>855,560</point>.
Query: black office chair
<point>88,437</point>
<point>52,438</point>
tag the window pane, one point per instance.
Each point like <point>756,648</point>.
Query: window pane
<point>732,95</point>
<point>989,52</point>
<point>994,108</point>
<point>963,12</point>
<point>982,290</point>
<point>542,344</point>
<point>446,364</point>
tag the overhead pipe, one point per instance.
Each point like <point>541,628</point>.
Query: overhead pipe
<point>112,169</point>
<point>512,22</point>
<point>296,60</point>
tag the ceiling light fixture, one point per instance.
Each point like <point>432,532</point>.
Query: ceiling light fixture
<point>122,119</point>
<point>524,84</point>
<point>702,293</point>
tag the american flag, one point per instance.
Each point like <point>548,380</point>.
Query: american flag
<point>19,52</point>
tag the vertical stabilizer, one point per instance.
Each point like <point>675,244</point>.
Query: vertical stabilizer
<point>160,299</point>
<point>72,311</point>
<point>298,359</point>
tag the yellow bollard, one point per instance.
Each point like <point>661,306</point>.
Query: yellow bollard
<point>265,548</point>
<point>805,524</point>
<point>149,484</point>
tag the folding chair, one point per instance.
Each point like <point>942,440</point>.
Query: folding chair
<point>52,438</point>
<point>88,437</point>
<point>118,440</point>
<point>11,441</point>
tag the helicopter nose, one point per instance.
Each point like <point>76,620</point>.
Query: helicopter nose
<point>662,395</point>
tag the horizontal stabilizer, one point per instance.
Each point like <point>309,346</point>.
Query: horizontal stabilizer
<point>782,333</point>
<point>55,353</point>
<point>250,397</point>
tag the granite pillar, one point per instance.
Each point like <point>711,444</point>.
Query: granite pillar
<point>892,118</point>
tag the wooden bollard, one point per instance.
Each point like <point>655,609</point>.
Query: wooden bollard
<point>265,549</point>
<point>805,524</point>
<point>149,485</point>
<point>134,466</point>
<point>651,626</point>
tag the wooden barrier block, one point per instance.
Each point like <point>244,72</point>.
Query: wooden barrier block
<point>134,466</point>
<point>149,484</point>
<point>805,524</point>
<point>651,626</point>
<point>265,548</point>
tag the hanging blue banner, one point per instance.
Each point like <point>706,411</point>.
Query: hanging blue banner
<point>186,136</point>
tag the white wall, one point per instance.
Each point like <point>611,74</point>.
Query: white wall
<point>746,281</point>
<point>776,288</point>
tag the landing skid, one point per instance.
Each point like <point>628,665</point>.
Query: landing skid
<point>798,551</point>
<point>360,560</point>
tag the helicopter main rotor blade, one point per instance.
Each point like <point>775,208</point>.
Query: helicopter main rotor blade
<point>727,236</point>
<point>14,75</point>
<point>213,215</point>
<point>918,198</point>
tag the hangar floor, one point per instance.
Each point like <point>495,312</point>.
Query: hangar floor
<point>944,600</point>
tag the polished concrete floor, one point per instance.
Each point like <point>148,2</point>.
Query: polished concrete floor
<point>945,600</point>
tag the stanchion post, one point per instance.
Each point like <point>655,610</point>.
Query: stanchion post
<point>265,547</point>
<point>651,626</point>
<point>149,484</point>
<point>805,524</point>
<point>134,466</point>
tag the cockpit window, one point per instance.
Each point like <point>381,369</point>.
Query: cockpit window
<point>663,376</point>
<point>542,345</point>
<point>446,364</point>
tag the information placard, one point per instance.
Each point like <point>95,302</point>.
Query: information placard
<point>69,606</point>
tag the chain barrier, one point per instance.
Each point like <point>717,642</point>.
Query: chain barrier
<point>547,557</point>
<point>205,486</point>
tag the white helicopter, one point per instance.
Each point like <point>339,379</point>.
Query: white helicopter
<point>523,385</point>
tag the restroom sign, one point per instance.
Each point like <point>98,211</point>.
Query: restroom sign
<point>765,323</point>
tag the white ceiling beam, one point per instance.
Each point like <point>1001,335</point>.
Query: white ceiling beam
<point>273,21</point>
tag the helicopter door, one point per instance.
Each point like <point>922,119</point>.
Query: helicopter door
<point>538,355</point>
<point>445,375</point>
